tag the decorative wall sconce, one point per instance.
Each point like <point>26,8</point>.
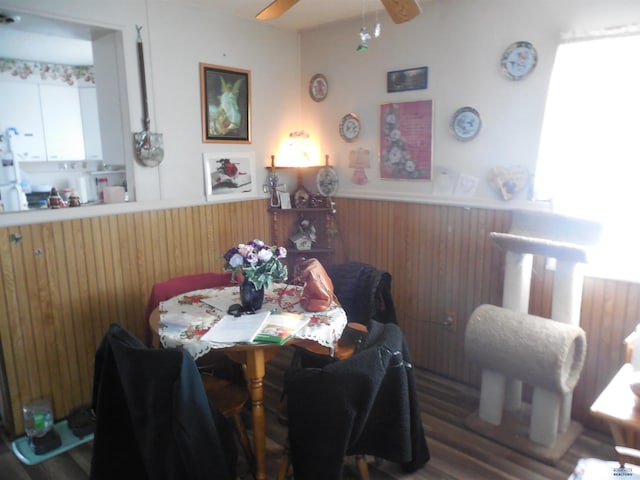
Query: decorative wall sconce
<point>359,160</point>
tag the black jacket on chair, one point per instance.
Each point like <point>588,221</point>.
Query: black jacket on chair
<point>364,292</point>
<point>153,418</point>
<point>366,404</point>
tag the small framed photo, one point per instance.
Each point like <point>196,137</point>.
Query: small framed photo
<point>409,79</point>
<point>285,200</point>
<point>230,176</point>
<point>225,96</point>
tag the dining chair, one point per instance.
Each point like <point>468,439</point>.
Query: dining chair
<point>153,418</point>
<point>172,287</point>
<point>364,291</point>
<point>349,341</point>
<point>364,404</point>
<point>223,378</point>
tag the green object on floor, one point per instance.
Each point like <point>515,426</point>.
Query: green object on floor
<point>25,454</point>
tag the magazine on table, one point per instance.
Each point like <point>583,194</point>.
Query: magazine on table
<point>280,327</point>
<point>268,326</point>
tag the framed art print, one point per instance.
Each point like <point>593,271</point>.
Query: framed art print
<point>409,79</point>
<point>225,97</point>
<point>229,176</point>
<point>406,140</point>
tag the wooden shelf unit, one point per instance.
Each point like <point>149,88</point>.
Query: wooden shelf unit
<point>284,223</point>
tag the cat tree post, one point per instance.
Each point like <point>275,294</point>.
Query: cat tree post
<point>568,281</point>
<point>515,296</point>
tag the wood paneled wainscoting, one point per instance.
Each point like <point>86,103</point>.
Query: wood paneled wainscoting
<point>444,266</point>
<point>64,282</point>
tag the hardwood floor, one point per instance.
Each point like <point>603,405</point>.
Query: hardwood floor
<point>456,452</point>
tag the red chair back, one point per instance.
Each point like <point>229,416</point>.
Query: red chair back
<point>175,286</point>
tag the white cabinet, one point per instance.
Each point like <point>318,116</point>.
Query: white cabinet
<point>90,123</point>
<point>62,121</point>
<point>54,122</point>
<point>20,109</point>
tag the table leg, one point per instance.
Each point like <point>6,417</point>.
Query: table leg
<point>255,374</point>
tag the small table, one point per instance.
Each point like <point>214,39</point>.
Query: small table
<point>182,320</point>
<point>617,406</point>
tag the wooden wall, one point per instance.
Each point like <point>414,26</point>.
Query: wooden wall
<point>65,282</point>
<point>443,264</point>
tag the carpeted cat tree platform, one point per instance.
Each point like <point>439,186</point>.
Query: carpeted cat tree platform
<point>512,347</point>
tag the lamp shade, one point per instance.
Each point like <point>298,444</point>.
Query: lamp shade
<point>360,158</point>
<point>298,151</point>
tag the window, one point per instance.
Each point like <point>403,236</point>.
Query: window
<point>589,157</point>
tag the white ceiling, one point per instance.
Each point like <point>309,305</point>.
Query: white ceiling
<point>25,38</point>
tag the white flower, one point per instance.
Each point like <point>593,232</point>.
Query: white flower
<point>395,155</point>
<point>265,255</point>
<point>236,260</point>
<point>410,166</point>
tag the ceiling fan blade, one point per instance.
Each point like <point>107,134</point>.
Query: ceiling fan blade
<point>402,11</point>
<point>275,9</point>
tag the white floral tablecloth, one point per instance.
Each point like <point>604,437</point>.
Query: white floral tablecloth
<point>185,318</point>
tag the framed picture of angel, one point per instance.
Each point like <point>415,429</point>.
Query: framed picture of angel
<point>225,97</point>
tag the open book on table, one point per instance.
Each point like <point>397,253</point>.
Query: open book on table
<point>269,327</point>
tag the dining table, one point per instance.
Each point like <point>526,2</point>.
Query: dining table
<point>181,322</point>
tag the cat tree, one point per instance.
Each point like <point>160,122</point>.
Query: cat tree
<point>512,347</point>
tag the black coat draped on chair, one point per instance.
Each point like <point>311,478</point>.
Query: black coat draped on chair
<point>153,418</point>
<point>366,404</point>
<point>364,292</point>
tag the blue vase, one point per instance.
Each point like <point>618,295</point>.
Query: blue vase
<point>251,298</point>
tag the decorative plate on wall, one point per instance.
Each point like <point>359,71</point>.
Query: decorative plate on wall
<point>519,60</point>
<point>327,181</point>
<point>466,124</point>
<point>349,127</point>
<point>318,87</point>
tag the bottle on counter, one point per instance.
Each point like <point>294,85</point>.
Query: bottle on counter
<point>54,199</point>
<point>65,194</point>
<point>74,199</point>
<point>100,184</point>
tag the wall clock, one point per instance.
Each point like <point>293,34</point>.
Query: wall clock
<point>349,127</point>
<point>318,87</point>
<point>518,60</point>
<point>466,123</point>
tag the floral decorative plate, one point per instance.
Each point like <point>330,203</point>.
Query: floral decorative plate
<point>318,87</point>
<point>466,123</point>
<point>519,60</point>
<point>349,127</point>
<point>327,181</point>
